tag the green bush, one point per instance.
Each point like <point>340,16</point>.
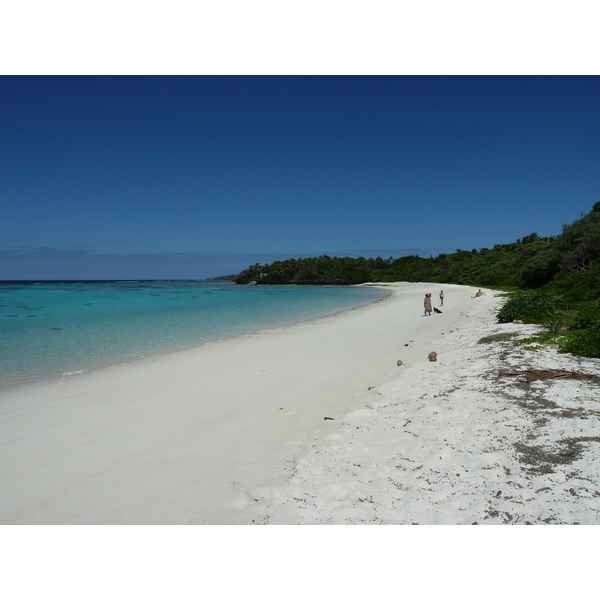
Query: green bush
<point>584,343</point>
<point>587,316</point>
<point>579,287</point>
<point>556,323</point>
<point>529,308</point>
<point>539,268</point>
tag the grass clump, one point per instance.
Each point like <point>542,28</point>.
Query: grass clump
<point>496,337</point>
<point>531,308</point>
<point>538,341</point>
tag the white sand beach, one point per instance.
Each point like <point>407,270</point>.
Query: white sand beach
<point>316,423</point>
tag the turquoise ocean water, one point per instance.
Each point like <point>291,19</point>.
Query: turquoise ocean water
<point>52,329</point>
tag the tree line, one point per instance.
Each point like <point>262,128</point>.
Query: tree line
<point>569,259</point>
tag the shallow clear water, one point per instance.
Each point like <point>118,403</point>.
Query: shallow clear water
<point>52,329</point>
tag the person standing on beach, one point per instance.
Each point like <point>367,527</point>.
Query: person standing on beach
<point>442,298</point>
<point>427,304</point>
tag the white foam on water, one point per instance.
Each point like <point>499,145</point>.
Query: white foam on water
<point>70,373</point>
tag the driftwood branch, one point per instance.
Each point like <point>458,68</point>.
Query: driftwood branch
<point>534,375</point>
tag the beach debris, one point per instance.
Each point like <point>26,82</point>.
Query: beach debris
<point>432,356</point>
<point>567,450</point>
<point>371,387</point>
<point>399,363</point>
<point>406,344</point>
<point>407,422</point>
<point>498,493</point>
<point>544,489</point>
<point>328,419</point>
<point>368,499</point>
<point>437,310</point>
<point>534,375</point>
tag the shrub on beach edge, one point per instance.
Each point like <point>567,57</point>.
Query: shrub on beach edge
<point>585,342</point>
<point>529,308</point>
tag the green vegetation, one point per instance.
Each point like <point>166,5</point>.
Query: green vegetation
<point>497,337</point>
<point>529,308</point>
<point>537,341</point>
<point>557,278</point>
<point>585,342</point>
<point>587,316</point>
<point>222,278</point>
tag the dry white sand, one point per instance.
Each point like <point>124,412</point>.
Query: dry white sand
<point>235,432</point>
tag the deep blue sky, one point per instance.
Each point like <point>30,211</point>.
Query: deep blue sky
<point>197,176</point>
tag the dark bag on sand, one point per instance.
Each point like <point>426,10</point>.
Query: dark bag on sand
<point>437,310</point>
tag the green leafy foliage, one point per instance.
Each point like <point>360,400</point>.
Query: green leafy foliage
<point>529,308</point>
<point>577,288</point>
<point>585,342</point>
<point>579,244</point>
<point>556,323</point>
<point>587,316</point>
